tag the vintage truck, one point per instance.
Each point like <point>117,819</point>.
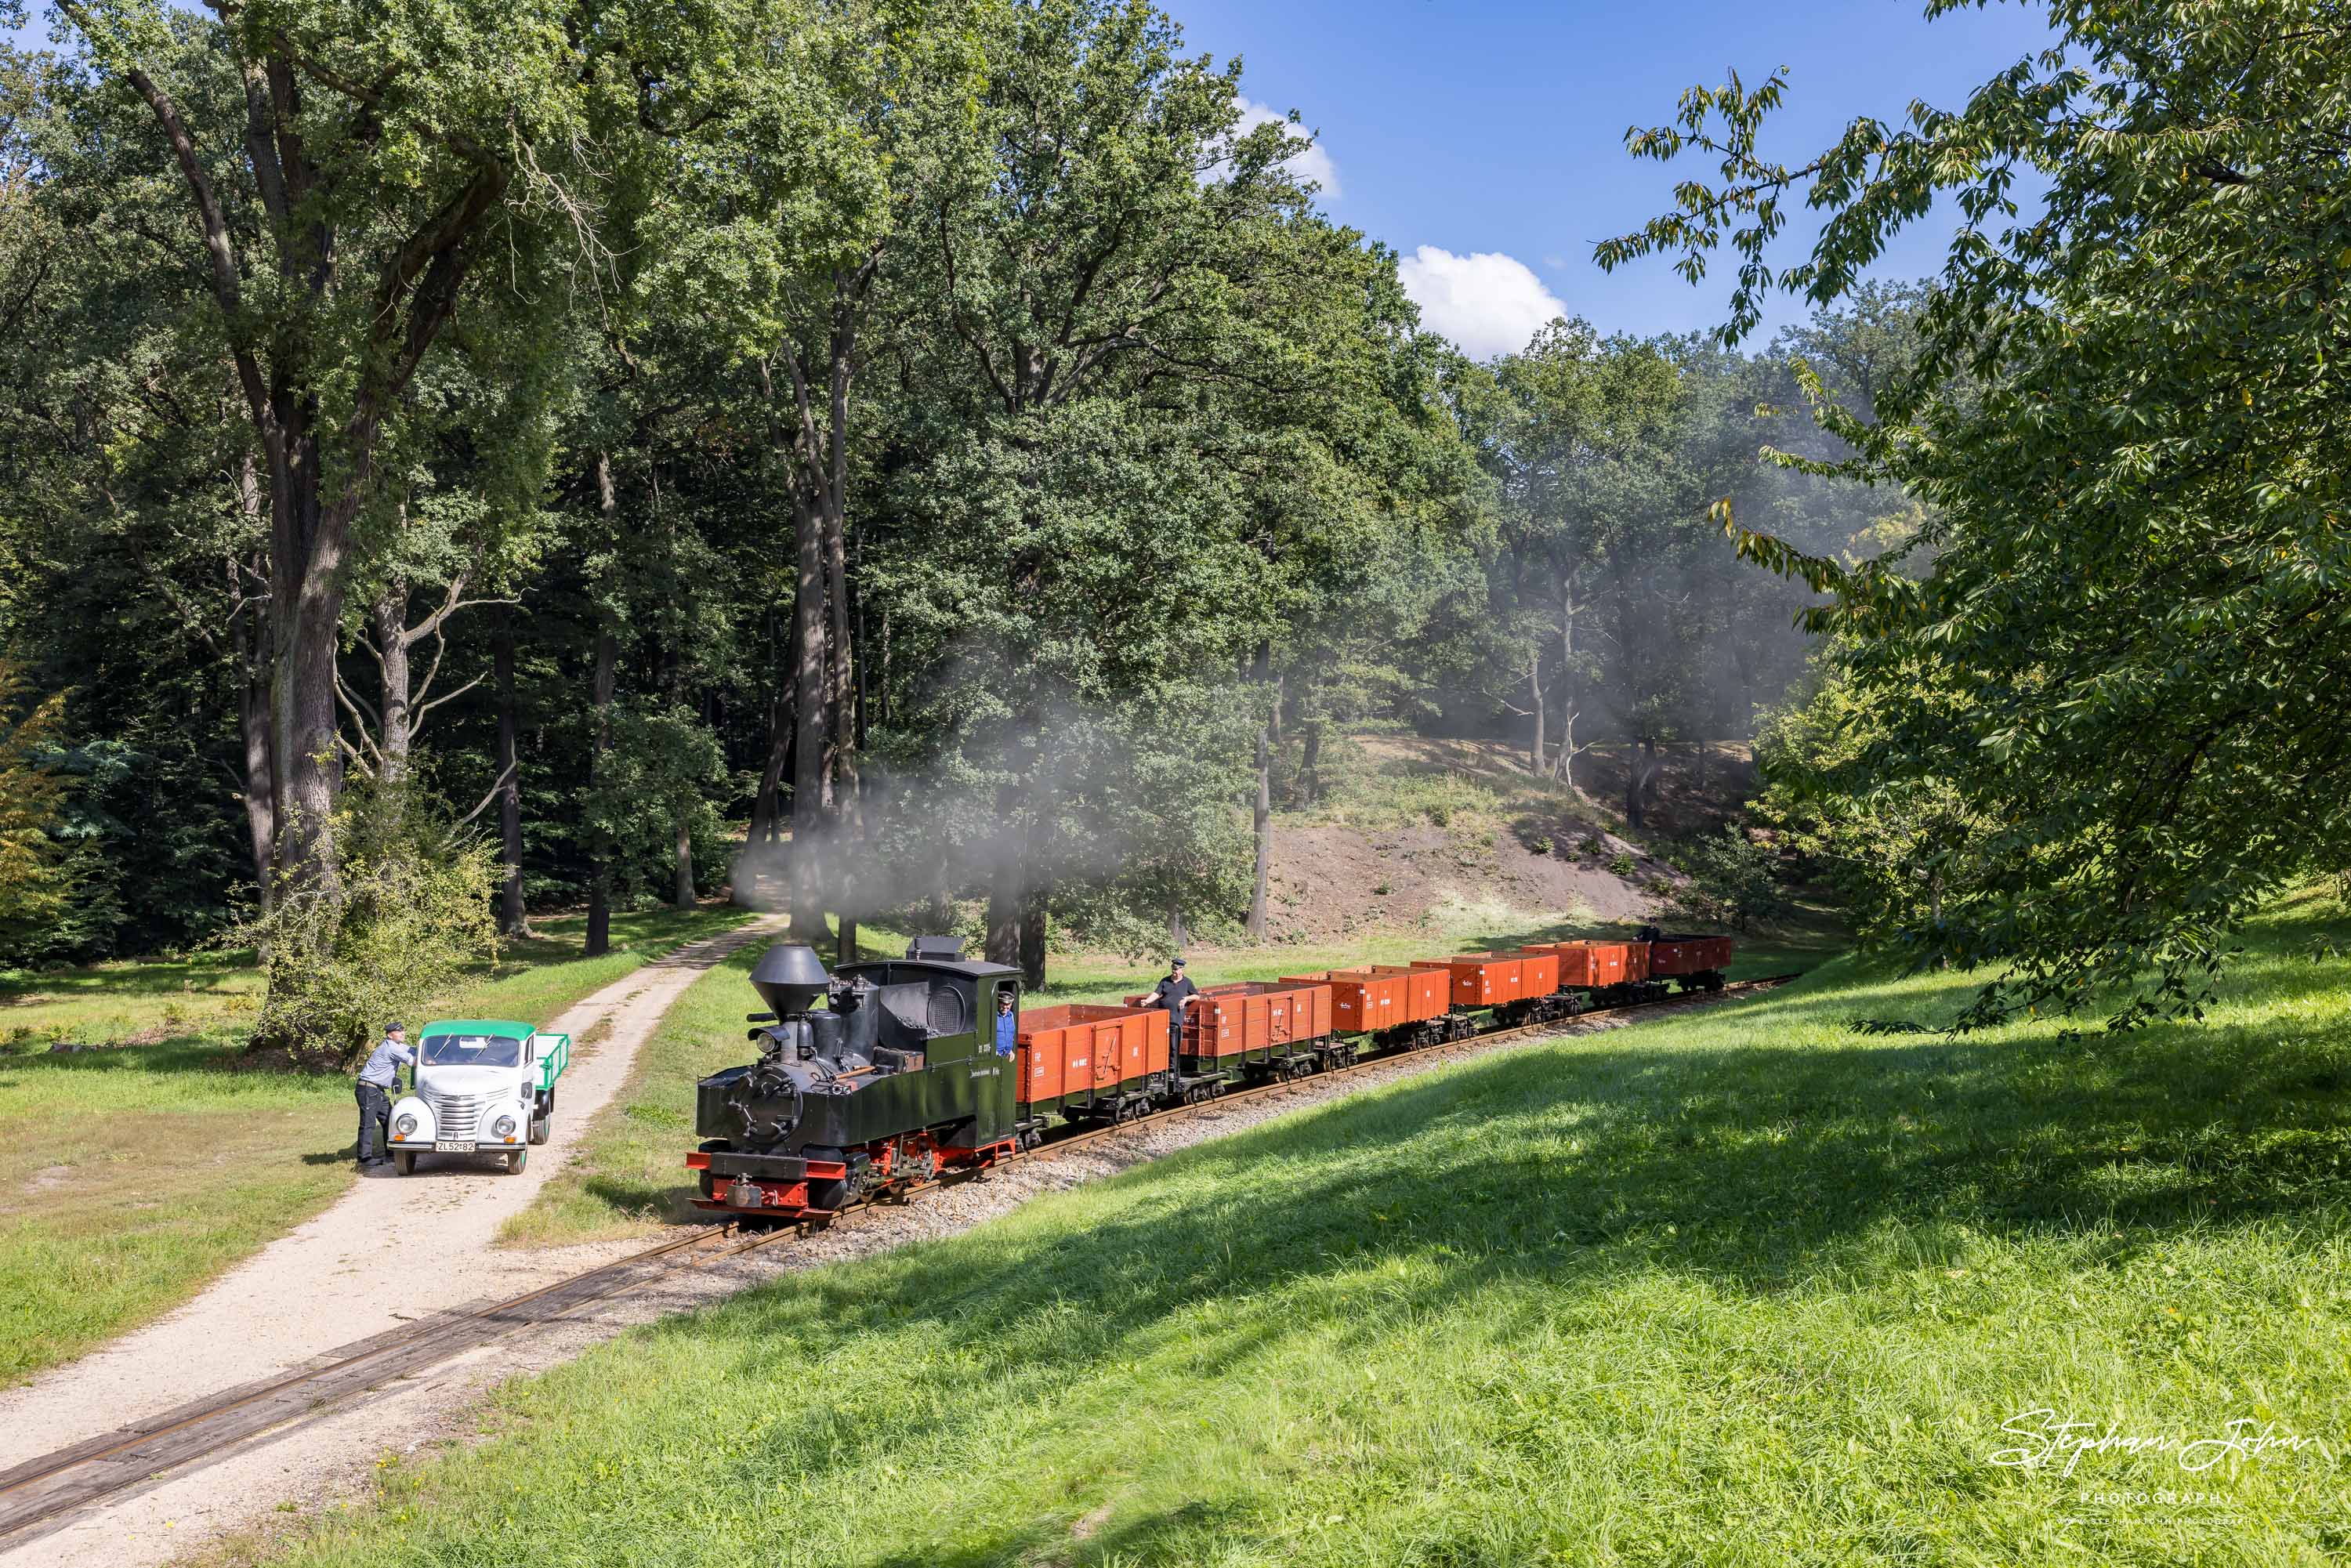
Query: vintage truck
<point>482,1087</point>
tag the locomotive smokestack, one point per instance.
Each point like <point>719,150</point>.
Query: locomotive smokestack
<point>789,977</point>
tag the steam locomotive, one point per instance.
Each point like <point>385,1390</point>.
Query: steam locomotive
<point>896,1077</point>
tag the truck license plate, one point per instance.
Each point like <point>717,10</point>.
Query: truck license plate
<point>448,1148</point>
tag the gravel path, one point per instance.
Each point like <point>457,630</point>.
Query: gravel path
<point>317,1468</point>
<point>382,1255</point>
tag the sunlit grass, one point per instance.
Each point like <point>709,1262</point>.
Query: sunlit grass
<point>131,1176</point>
<point>1737,1287</point>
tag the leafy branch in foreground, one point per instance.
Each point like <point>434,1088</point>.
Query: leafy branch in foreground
<point>2127,661</point>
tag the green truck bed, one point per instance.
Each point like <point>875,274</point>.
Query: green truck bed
<point>554,1056</point>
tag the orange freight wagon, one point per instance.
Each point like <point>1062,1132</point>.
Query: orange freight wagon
<point>1595,965</point>
<point>1362,1002</point>
<point>1254,1016</point>
<point>1428,992</point>
<point>1540,971</point>
<point>1481,979</point>
<point>1077,1059</point>
<point>1679,955</point>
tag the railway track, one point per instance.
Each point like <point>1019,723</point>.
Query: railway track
<point>42,1493</point>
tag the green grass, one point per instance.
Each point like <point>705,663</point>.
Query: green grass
<point>626,1175</point>
<point>131,1176</point>
<point>1738,1287</point>
<point>627,1172</point>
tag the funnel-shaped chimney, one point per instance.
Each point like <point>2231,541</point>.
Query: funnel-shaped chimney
<point>788,977</point>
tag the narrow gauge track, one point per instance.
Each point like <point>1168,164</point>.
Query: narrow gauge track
<point>45,1490</point>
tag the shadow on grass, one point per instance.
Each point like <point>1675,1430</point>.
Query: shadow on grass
<point>1545,1180</point>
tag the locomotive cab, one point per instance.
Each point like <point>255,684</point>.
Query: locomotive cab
<point>894,1075</point>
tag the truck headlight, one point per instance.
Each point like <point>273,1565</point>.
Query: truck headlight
<point>403,1125</point>
<point>503,1126</point>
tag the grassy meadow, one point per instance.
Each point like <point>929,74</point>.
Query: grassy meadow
<point>133,1174</point>
<point>1740,1286</point>
<point>626,1175</point>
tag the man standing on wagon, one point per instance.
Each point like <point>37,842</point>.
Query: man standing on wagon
<point>1172,992</point>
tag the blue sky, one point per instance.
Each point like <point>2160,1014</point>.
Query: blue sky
<point>1483,139</point>
<point>1495,128</point>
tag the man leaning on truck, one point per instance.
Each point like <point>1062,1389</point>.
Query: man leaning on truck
<point>378,1079</point>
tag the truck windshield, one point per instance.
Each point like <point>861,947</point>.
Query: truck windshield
<point>471,1050</point>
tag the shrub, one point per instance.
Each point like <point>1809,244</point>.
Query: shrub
<point>410,910</point>
<point>1621,866</point>
<point>1733,880</point>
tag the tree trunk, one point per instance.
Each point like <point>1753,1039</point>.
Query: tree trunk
<point>1032,936</point>
<point>607,655</point>
<point>1262,813</point>
<point>1570,710</point>
<point>1006,898</point>
<point>391,614</point>
<point>307,548</point>
<point>248,643</point>
<point>765,803</point>
<point>1534,688</point>
<point>809,686</point>
<point>1309,775</point>
<point>1641,769</point>
<point>512,919</point>
<point>846,950</point>
<point>1177,937</point>
<point>682,894</point>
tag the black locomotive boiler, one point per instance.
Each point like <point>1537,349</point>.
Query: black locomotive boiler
<point>895,1077</point>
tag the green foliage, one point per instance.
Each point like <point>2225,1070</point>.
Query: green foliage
<point>2113,641</point>
<point>34,879</point>
<point>1730,879</point>
<point>662,766</point>
<point>1367,1332</point>
<point>411,915</point>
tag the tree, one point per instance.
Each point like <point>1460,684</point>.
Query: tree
<point>2127,424</point>
<point>342,192</point>
<point>32,883</point>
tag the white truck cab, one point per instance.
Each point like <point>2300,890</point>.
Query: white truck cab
<point>482,1087</point>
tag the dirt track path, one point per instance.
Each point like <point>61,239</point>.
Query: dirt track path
<point>388,1251</point>
<point>308,1471</point>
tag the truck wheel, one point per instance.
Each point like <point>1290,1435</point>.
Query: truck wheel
<point>405,1163</point>
<point>539,1129</point>
<point>515,1160</point>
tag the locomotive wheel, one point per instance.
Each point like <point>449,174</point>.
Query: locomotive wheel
<point>709,1184</point>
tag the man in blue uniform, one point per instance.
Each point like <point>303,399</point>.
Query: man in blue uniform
<point>1172,992</point>
<point>1006,1022</point>
<point>378,1079</point>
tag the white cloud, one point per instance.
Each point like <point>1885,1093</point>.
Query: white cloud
<point>1488,302</point>
<point>1311,165</point>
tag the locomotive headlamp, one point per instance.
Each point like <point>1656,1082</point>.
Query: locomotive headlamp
<point>503,1126</point>
<point>404,1126</point>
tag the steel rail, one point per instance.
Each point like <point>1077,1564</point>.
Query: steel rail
<point>627,1274</point>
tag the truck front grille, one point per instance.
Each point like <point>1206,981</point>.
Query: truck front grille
<point>456,1116</point>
